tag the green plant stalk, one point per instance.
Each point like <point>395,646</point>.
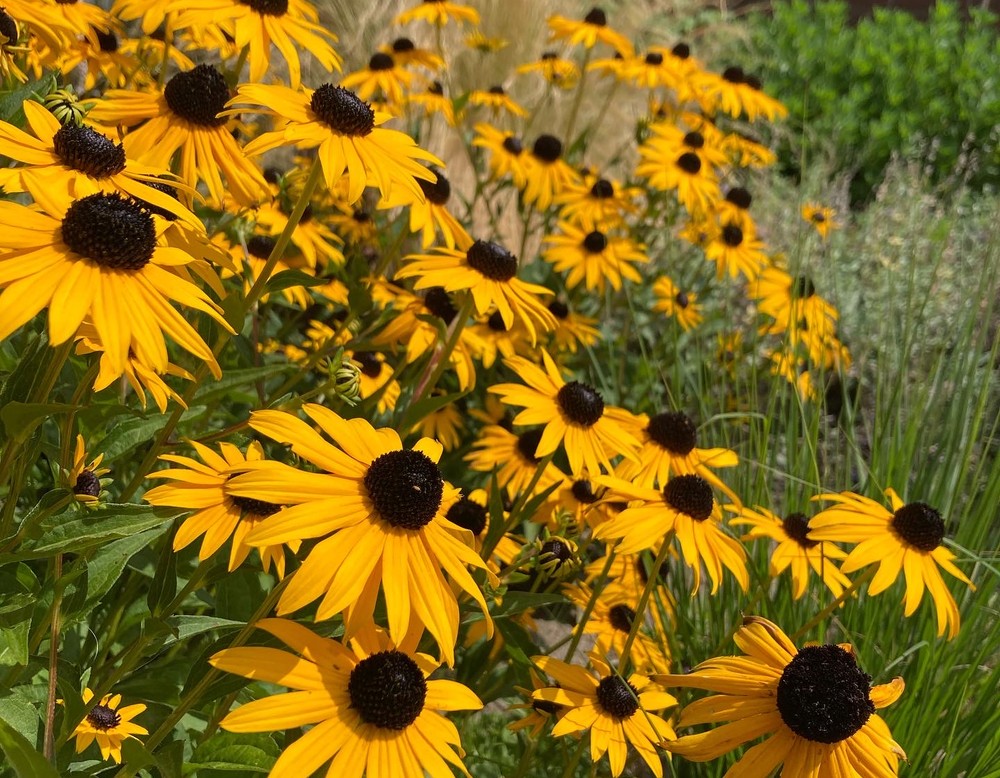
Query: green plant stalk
<point>50,703</point>
<point>640,608</point>
<point>595,593</point>
<point>577,756</point>
<point>577,99</point>
<point>856,584</point>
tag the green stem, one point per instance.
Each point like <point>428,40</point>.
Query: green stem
<point>595,592</point>
<point>640,609</point>
<point>50,704</point>
<point>577,100</point>
<point>525,763</point>
<point>577,756</point>
<point>856,584</point>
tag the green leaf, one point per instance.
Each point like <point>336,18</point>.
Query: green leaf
<point>14,644</point>
<point>107,565</point>
<point>20,419</point>
<point>235,379</point>
<point>22,756</point>
<point>17,710</point>
<point>127,435</point>
<point>287,279</point>
<point>185,627</point>
<point>232,752</point>
<point>86,529</point>
<point>163,587</point>
<point>12,103</point>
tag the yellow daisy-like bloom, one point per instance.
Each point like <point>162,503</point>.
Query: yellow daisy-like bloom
<point>85,478</point>
<point>439,13</point>
<point>745,151</point>
<point>433,101</point>
<point>406,53</point>
<point>736,251</point>
<point>443,424</point>
<point>485,44</point>
<point>615,711</point>
<point>429,215</point>
<point>794,551</point>
<point>496,99</point>
<point>380,511</point>
<point>574,415</point>
<point>513,458</point>
<point>816,703</point>
<point>588,31</point>
<point>219,514</point>
<point>100,257</point>
<point>9,51</point>
<point>735,92</point>
<point>108,724</point>
<point>547,173</point>
<point>705,142</point>
<point>376,379</point>
<point>593,256</point>
<point>821,218</point>
<point>793,304</point>
<point>540,713</point>
<point>185,116</point>
<point>685,508</point>
<point>507,155</point>
<point>489,272</point>
<point>84,19</point>
<point>79,161</point>
<point>373,709</point>
<point>572,329</point>
<point>559,72</point>
<point>348,136</point>
<point>906,540</point>
<point>597,200</point>
<point>383,77</point>
<point>288,24</point>
<point>795,370</point>
<point>41,19</point>
<point>669,446</point>
<point>655,69</point>
<point>695,183</point>
<point>316,242</point>
<point>495,339</point>
<point>677,303</point>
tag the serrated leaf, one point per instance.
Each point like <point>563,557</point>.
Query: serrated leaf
<point>22,757</point>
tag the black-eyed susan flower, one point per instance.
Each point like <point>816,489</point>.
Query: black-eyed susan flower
<point>546,172</point>
<point>677,303</point>
<point>379,512</point>
<point>218,514</point>
<point>507,155</point>
<point>735,251</point>
<point>434,101</point>
<point>597,200</point>
<point>594,256</point>
<point>671,140</point>
<point>561,73</point>
<point>384,79</point>
<point>10,34</point>
<point>574,415</point>
<point>318,245</point>
<point>746,151</point>
<point>907,540</point>
<point>288,24</point>
<point>429,215</point>
<point>254,254</point>
<point>406,53</point>
<point>652,70</point>
<point>488,272</point>
<point>84,477</point>
<point>485,44</point>
<point>185,116</point>
<point>617,712</point>
<point>496,99</point>
<point>816,703</point>
<point>444,424</point>
<point>793,303</point>
<point>540,712</point>
<point>374,710</point>
<point>588,31</point>
<point>513,458</point>
<point>86,19</point>
<point>495,338</point>
<point>794,551</point>
<point>108,724</point>
<point>41,19</point>
<point>685,508</point>
<point>572,329</point>
<point>736,92</point>
<point>822,218</point>
<point>100,257</point>
<point>695,183</point>
<point>439,13</point>
<point>76,159</point>
<point>346,133</point>
<point>377,379</point>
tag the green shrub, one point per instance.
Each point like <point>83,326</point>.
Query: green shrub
<point>890,85</point>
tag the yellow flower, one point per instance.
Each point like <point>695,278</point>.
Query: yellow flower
<point>546,172</point>
<point>374,710</point>
<point>676,303</point>
<point>507,155</point>
<point>384,77</point>
<point>85,478</point>
<point>496,99</point>
<point>588,31</point>
<point>429,215</point>
<point>821,218</point>
<point>439,13</point>
<point>816,703</point>
<point>108,724</point>
<point>559,72</point>
<point>593,255</point>
<point>906,540</point>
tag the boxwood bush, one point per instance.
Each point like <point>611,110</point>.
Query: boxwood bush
<point>890,84</point>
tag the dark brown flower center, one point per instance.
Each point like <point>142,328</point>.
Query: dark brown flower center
<point>694,140</point>
<point>691,495</point>
<point>469,515</point>
<point>492,260</point>
<point>654,58</point>
<point>617,697</point>
<point>802,287</point>
<point>582,404</point>
<point>823,695</point>
<point>261,246</point>
<point>103,718</point>
<point>403,45</point>
<point>919,525</point>
<point>796,526</point>
<point>732,235</point>
<point>405,488</point>
<point>8,27</point>
<point>547,148</point>
<point>734,75</point>
<point>559,309</point>
<point>167,189</point>
<point>602,189</point>
<point>595,242</point>
<point>597,17</point>
<point>527,444</point>
<point>689,162</point>
<point>437,88</point>
<point>388,690</point>
<point>739,197</point>
<point>681,51</point>
<point>255,509</point>
<point>544,706</point>
<point>113,231</point>
<point>438,302</point>
<point>198,96</point>
<point>512,145</point>
<point>87,483</point>
<point>381,61</point>
<point>342,111</point>
<point>496,323</point>
<point>621,617</point>
<point>674,431</point>
<point>682,300</point>
<point>437,191</point>
<point>555,553</point>
<point>583,491</point>
<point>108,41</point>
<point>88,151</point>
<point>370,364</point>
<point>268,7</point>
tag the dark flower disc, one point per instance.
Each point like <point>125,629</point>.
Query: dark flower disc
<point>261,246</point>
<point>256,509</point>
<point>654,58</point>
<point>602,189</point>
<point>108,41</point>
<point>405,487</point>
<point>739,197</point>
<point>559,309</point>
<point>103,718</point>
<point>438,302</point>
<point>674,431</point>
<point>547,148</point>
<point>796,526</point>
<point>469,515</point>
<point>597,17</point>
<point>621,617</point>
<point>198,96</point>
<point>617,697</point>
<point>823,695</point>
<point>113,231</point>
<point>381,61</point>
<point>342,111</point>
<point>403,45</point>
<point>87,483</point>
<point>690,494</point>
<point>8,27</point>
<point>581,403</point>
<point>387,690</point>
<point>583,491</point>
<point>492,260</point>
<point>732,235</point>
<point>682,299</point>
<point>802,287</point>
<point>88,151</point>
<point>512,145</point>
<point>919,525</point>
<point>527,444</point>
<point>437,191</point>
<point>370,364</point>
<point>689,162</point>
<point>268,7</point>
<point>595,242</point>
